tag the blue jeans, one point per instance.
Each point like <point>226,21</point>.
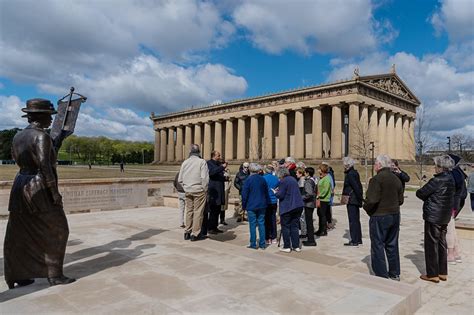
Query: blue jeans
<point>384,241</point>
<point>257,217</point>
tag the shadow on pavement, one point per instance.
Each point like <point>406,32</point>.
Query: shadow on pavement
<point>117,253</point>
<point>418,259</point>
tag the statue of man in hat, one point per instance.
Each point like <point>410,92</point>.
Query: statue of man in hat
<point>37,230</point>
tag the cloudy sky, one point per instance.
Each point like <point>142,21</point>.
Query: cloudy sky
<point>133,57</point>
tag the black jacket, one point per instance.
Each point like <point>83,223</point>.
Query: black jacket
<point>384,195</point>
<point>404,178</point>
<point>438,196</point>
<point>353,187</point>
<point>216,183</point>
<point>240,179</point>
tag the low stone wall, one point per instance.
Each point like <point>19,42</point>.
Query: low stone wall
<point>103,194</point>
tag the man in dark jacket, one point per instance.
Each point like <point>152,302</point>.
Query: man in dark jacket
<point>216,193</point>
<point>403,176</point>
<point>438,195</point>
<point>353,189</point>
<point>239,184</point>
<point>382,203</point>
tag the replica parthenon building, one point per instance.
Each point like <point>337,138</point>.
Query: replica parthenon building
<point>321,122</point>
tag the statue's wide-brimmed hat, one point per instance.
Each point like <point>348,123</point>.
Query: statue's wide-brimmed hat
<point>39,106</point>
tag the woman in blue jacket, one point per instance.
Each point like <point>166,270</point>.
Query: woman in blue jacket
<point>291,207</point>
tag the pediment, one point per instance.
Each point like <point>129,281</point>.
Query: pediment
<point>391,83</point>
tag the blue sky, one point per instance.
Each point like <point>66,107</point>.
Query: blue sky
<point>134,57</point>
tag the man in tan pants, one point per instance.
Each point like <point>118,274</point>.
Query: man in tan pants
<point>194,177</point>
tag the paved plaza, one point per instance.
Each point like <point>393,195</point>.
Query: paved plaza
<point>136,261</point>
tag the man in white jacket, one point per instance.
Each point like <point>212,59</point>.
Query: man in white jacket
<point>194,177</point>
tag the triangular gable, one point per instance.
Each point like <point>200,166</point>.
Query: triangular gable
<point>390,83</point>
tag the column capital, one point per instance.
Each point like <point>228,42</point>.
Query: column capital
<point>382,110</point>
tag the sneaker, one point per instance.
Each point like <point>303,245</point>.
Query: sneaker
<point>308,243</point>
<point>285,250</point>
<point>268,242</point>
<point>452,262</point>
<point>224,223</point>
<point>395,278</point>
<point>274,241</point>
<point>319,233</point>
<point>458,259</point>
<point>187,236</point>
<point>251,247</point>
<point>297,249</point>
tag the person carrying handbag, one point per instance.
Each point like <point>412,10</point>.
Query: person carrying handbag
<point>352,196</point>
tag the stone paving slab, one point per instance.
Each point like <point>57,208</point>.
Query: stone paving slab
<point>135,261</point>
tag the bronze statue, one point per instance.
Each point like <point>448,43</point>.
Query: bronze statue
<point>37,230</point>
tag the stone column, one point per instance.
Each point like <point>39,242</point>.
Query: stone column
<point>412,140</point>
<point>163,145</point>
<point>355,128</point>
<point>317,133</point>
<point>373,129</point>
<point>156,156</point>
<point>382,132</point>
<point>336,132</point>
<point>207,141</point>
<point>197,136</point>
<point>229,140</point>
<point>187,140</point>
<point>267,152</point>
<point>170,145</point>
<point>254,148</point>
<point>179,143</point>
<point>406,138</point>
<point>283,135</point>
<point>391,134</point>
<point>398,137</point>
<point>299,134</point>
<point>218,136</point>
<point>241,138</point>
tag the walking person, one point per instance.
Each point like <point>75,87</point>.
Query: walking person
<point>437,196</point>
<point>309,199</point>
<point>215,191</point>
<point>181,199</point>
<point>352,196</point>
<point>270,213</point>
<point>382,203</point>
<point>291,206</point>
<point>255,200</point>
<point>239,183</point>
<point>194,177</point>
<point>324,199</point>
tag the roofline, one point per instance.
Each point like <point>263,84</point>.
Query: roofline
<point>288,92</point>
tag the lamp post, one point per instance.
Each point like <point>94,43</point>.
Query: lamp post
<point>449,144</point>
<point>372,149</point>
<point>346,135</point>
<point>420,144</point>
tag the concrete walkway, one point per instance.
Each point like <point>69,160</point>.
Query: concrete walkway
<point>136,261</point>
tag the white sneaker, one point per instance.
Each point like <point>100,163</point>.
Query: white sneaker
<point>285,250</point>
<point>297,249</point>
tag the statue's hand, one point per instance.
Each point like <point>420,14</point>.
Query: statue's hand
<point>57,199</point>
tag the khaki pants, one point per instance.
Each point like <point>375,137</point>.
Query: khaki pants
<point>195,203</point>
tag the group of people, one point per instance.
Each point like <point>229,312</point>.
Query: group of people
<point>288,192</point>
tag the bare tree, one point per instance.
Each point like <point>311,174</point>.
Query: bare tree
<point>423,137</point>
<point>361,147</point>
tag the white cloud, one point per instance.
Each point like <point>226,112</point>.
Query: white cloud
<point>445,90</point>
<point>456,17</point>
<point>148,84</point>
<point>313,26</point>
<point>10,109</point>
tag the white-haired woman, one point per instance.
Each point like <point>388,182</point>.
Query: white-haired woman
<point>437,196</point>
<point>352,197</point>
